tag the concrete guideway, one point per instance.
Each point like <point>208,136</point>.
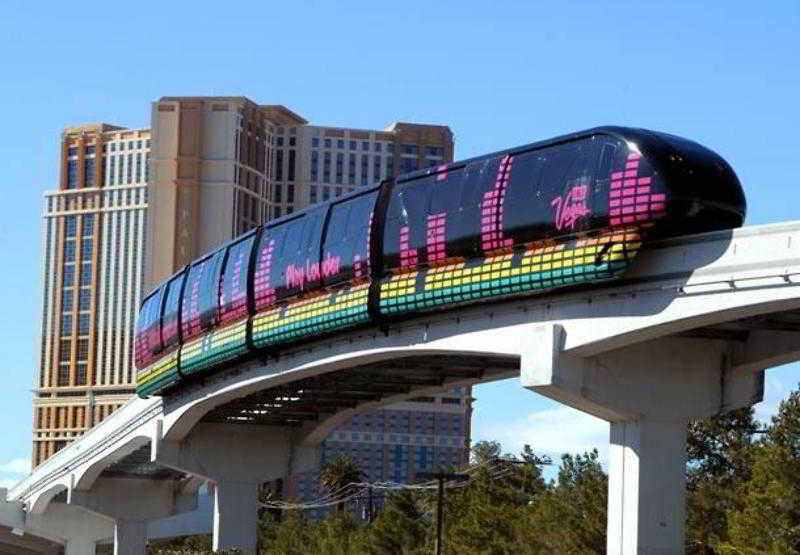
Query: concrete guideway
<point>685,335</point>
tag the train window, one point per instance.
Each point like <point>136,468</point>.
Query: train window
<point>346,244</point>
<point>527,213</point>
<point>263,287</point>
<point>148,334</point>
<point>296,267</point>
<point>404,229</point>
<point>482,205</point>
<point>201,293</point>
<point>169,320</point>
<point>233,289</point>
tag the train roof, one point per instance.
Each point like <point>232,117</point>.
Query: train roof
<point>637,135</point>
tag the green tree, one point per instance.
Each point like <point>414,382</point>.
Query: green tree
<point>338,476</point>
<point>399,528</point>
<point>719,461</point>
<point>768,519</point>
<point>570,516</point>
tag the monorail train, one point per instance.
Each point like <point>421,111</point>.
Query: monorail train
<point>566,211</point>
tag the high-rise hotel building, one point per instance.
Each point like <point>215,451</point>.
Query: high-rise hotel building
<point>131,209</point>
<point>93,233</point>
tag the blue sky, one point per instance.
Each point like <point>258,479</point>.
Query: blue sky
<point>723,73</point>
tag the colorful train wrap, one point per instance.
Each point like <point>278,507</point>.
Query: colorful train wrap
<point>571,210</point>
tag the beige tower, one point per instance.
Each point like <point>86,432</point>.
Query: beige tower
<point>210,175</point>
<point>93,234</point>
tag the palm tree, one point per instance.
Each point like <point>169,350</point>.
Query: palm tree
<point>338,476</point>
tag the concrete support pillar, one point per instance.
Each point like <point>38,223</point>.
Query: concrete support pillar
<point>79,546</point>
<point>235,515</point>
<point>130,537</point>
<point>238,458</point>
<point>646,487</point>
<point>648,392</point>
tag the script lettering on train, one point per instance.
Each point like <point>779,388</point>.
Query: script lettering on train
<point>570,207</point>
<point>298,276</point>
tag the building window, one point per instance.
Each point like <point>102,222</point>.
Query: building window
<point>69,250</point>
<point>66,302</point>
<point>130,167</point>
<point>327,143</point>
<point>410,149</point>
<point>292,141</point>
<point>376,168</point>
<point>113,147</point>
<point>312,195</point>
<point>290,193</point>
<point>434,151</point>
<point>80,373</point>
<point>86,273</point>
<point>84,299</point>
<point>279,165</point>
<point>277,193</point>
<point>111,169</point>
<point>70,226</point>
<point>72,173</point>
<point>389,167</point>
<point>326,193</point>
<point>72,151</point>
<point>277,212</point>
<point>378,147</point>
<point>139,144</point>
<point>390,147</point>
<point>66,324</point>
<point>364,168</point>
<point>89,150</point>
<point>314,165</point>
<point>279,141</point>
<point>63,379</point>
<point>290,172</point>
<point>315,142</point>
<point>340,144</point>
<point>365,146</point>
<point>353,145</point>
<point>69,275</point>
<point>326,168</point>
<point>409,164</point>
<point>339,167</point>
<point>88,225</point>
<point>139,166</point>
<point>351,169</point>
<point>83,324</point>
<point>86,249</point>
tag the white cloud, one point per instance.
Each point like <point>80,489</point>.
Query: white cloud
<point>16,466</point>
<point>553,432</point>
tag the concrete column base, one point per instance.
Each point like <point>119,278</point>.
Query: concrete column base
<point>646,487</point>
<point>80,546</point>
<point>130,537</point>
<point>236,516</point>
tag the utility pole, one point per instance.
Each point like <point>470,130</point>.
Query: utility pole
<point>441,477</point>
<point>369,510</point>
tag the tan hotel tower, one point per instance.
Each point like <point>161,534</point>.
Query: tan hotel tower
<point>131,208</point>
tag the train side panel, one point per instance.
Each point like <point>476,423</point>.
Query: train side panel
<point>517,223</point>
